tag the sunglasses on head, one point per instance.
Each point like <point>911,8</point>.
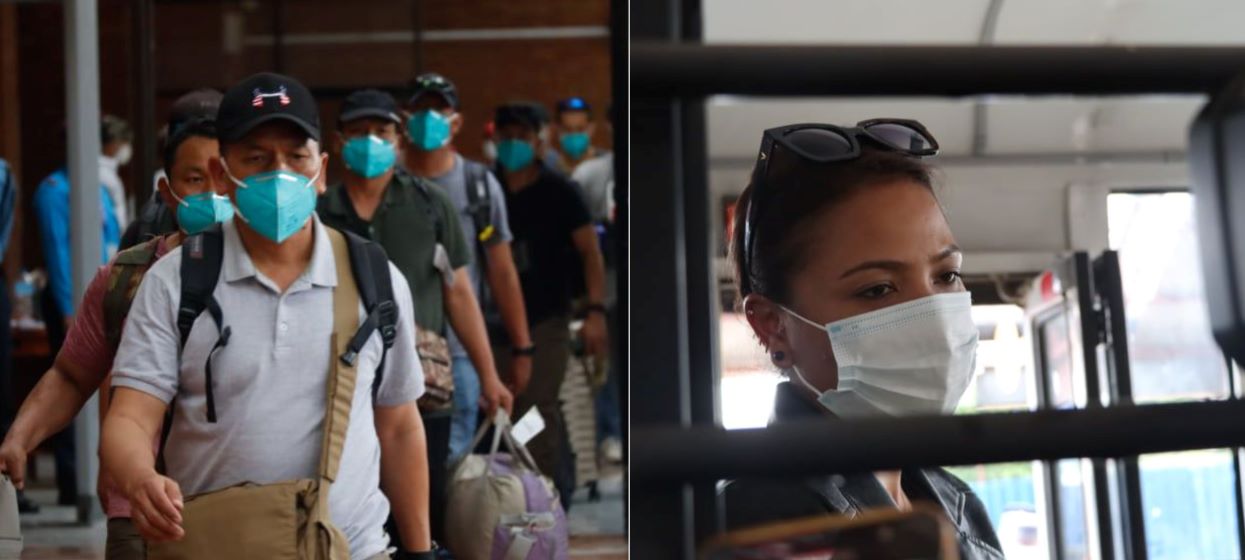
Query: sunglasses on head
<point>827,143</point>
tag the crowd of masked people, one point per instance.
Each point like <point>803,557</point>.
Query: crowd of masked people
<point>252,323</point>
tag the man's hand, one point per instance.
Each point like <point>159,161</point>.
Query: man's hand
<point>156,508</point>
<point>494,394</point>
<point>520,373</point>
<point>594,335</point>
<point>13,461</point>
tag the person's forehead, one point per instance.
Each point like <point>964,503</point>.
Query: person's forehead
<point>573,116</point>
<point>897,220</point>
<point>368,123</point>
<point>276,134</point>
<point>194,153</point>
<point>515,129</point>
<point>431,100</point>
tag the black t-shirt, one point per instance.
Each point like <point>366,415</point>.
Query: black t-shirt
<point>542,218</point>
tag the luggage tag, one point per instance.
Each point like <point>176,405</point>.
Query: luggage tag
<point>441,260</point>
<point>528,427</point>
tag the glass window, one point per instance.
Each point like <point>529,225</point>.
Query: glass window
<point>1190,507</point>
<point>1173,356</point>
<point>1188,497</point>
<point>1074,507</point>
<point>746,386</point>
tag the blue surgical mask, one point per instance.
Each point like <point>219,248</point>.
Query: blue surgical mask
<point>429,130</point>
<point>514,155</point>
<point>276,204</point>
<point>368,156</point>
<point>575,144</point>
<point>198,212</point>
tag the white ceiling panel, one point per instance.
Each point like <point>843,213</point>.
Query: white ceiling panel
<point>1063,125</point>
<point>951,22</point>
<point>945,22</point>
<point>1122,22</point>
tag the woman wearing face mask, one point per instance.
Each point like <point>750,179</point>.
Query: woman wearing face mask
<point>850,277</point>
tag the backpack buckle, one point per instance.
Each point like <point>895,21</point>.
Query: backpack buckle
<point>388,311</point>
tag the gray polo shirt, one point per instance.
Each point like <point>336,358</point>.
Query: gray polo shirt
<point>455,184</point>
<point>270,383</point>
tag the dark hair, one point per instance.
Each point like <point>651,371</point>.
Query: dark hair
<point>200,128</point>
<point>573,105</point>
<point>527,114</point>
<point>801,192</point>
<point>113,128</point>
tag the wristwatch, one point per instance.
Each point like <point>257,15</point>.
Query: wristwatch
<point>425,555</point>
<point>595,308</point>
<point>529,350</point>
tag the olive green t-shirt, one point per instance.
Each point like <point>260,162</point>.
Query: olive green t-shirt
<point>412,219</point>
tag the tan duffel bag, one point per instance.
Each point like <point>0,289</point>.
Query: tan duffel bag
<point>285,520</point>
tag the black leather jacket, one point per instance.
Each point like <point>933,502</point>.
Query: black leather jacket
<point>756,501</point>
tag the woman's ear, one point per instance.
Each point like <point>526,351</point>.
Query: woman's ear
<point>767,321</point>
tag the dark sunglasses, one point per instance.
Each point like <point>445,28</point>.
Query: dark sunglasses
<point>827,143</point>
<point>432,82</point>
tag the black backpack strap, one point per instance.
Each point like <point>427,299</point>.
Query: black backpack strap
<point>479,203</point>
<point>370,266</point>
<point>202,255</point>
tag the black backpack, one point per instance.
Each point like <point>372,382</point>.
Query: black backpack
<point>200,269</point>
<point>480,208</point>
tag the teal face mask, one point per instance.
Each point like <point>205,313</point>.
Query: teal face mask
<point>514,155</point>
<point>276,204</point>
<point>198,212</point>
<point>429,130</point>
<point>368,156</point>
<point>575,144</point>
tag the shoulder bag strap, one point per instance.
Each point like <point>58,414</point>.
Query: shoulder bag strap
<point>342,372</point>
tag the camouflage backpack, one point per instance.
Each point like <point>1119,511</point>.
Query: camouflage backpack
<point>124,276</point>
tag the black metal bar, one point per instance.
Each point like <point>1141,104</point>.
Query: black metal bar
<point>691,454</point>
<point>1050,469</point>
<point>1110,288</point>
<point>1091,336</point>
<point>1050,158</point>
<point>619,69</point>
<point>663,70</point>
<point>702,285</point>
<point>662,368</point>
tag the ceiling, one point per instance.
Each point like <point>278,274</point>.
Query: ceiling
<point>1137,127</point>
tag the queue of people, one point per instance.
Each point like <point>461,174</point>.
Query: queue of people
<point>261,326</point>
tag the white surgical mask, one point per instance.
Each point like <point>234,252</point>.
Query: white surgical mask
<point>124,154</point>
<point>915,358</point>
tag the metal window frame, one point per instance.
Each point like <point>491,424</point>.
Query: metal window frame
<point>1045,398</point>
<point>671,78</point>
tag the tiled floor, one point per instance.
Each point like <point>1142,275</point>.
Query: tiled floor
<point>596,528</point>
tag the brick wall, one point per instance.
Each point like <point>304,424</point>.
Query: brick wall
<point>201,43</point>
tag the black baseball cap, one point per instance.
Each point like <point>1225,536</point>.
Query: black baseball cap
<point>571,104</point>
<point>369,103</point>
<point>521,113</point>
<point>433,83</point>
<point>198,104</point>
<point>266,97</point>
